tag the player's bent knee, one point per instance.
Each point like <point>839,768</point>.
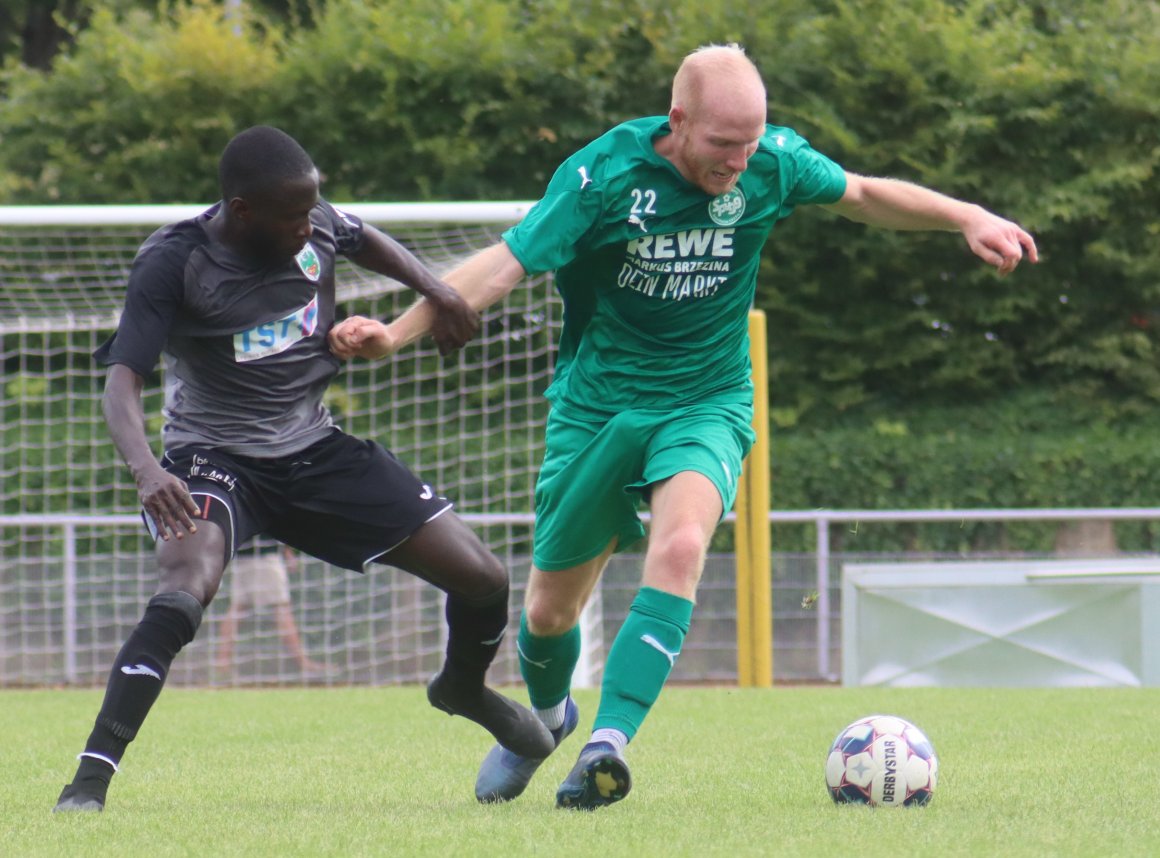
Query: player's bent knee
<point>489,581</point>
<point>681,553</point>
<point>548,616</point>
<point>491,572</point>
<point>197,577</point>
<point>451,556</point>
<point>194,565</point>
<point>479,580</point>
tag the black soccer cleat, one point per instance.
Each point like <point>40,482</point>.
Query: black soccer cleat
<point>512,725</point>
<point>600,777</point>
<point>75,799</point>
<point>504,775</point>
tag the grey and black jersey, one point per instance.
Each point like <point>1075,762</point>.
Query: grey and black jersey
<point>243,347</point>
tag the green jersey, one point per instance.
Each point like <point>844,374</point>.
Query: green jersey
<point>657,276</point>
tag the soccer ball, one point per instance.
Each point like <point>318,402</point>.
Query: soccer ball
<point>882,761</point>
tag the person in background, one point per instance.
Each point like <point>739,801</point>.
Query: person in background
<point>259,579</point>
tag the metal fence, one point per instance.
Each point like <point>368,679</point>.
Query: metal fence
<point>806,596</point>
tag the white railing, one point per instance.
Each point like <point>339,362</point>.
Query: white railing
<point>70,522</point>
<point>821,519</point>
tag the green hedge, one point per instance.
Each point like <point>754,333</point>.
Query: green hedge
<point>138,111</point>
<point>1046,111</point>
<point>1023,452</point>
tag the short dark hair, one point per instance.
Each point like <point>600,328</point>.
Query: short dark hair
<point>259,160</point>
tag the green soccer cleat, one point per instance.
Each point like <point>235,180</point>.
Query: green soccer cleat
<point>599,777</point>
<point>512,725</point>
<point>504,775</point>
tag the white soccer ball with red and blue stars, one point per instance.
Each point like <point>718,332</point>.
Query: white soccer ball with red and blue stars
<point>882,760</point>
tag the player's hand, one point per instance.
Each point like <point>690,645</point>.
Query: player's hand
<point>455,321</point>
<point>359,336</point>
<point>166,499</point>
<point>999,242</point>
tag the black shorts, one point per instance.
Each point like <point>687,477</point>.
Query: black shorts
<point>342,500</point>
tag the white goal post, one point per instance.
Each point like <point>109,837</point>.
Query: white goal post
<point>75,567</point>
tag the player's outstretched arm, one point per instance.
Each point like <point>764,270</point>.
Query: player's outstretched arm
<point>163,496</point>
<point>482,280</point>
<point>453,322</point>
<point>895,204</point>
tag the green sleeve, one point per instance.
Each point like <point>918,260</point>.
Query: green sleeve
<point>819,180</point>
<point>552,233</point>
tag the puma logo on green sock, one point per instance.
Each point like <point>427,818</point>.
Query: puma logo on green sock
<point>660,647</point>
<point>543,665</point>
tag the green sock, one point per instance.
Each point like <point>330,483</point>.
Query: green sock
<point>643,654</point>
<point>547,663</point>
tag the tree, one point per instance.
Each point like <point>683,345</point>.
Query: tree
<point>39,28</point>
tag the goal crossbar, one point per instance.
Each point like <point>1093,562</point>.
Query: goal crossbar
<point>157,215</point>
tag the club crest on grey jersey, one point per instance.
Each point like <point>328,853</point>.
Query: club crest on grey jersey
<point>308,261</point>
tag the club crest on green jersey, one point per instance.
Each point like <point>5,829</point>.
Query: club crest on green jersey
<point>727,209</point>
<point>307,260</point>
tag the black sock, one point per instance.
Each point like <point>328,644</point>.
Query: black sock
<point>169,623</point>
<point>475,630</point>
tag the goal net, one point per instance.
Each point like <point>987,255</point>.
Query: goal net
<point>75,567</point>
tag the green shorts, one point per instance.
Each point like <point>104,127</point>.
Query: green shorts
<point>596,473</point>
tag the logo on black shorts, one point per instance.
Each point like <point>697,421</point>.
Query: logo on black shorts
<point>203,469</point>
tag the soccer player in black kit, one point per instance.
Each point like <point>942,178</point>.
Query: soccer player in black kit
<point>238,302</point>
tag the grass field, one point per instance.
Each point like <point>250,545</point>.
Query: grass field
<point>717,771</point>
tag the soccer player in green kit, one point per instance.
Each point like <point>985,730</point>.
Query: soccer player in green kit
<point>655,231</point>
